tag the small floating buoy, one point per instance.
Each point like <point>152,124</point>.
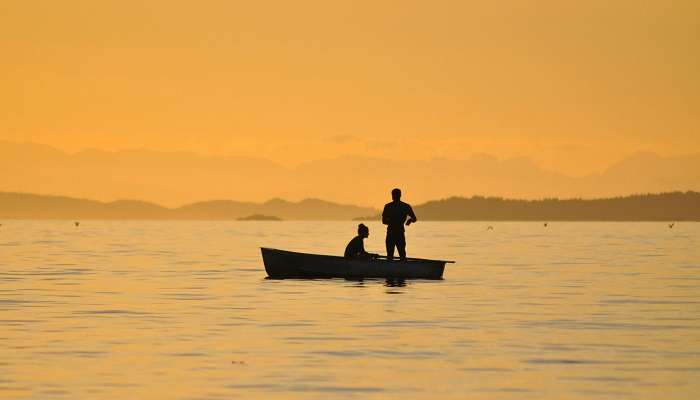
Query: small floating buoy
<point>545,224</point>
<point>670,226</point>
<point>490,228</point>
<point>77,223</point>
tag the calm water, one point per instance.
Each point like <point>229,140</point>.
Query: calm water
<point>165,310</point>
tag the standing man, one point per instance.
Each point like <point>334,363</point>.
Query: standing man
<point>393,217</point>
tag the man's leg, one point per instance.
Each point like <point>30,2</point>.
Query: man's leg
<point>390,246</point>
<point>401,245</point>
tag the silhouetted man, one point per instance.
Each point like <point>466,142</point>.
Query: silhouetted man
<point>394,216</point>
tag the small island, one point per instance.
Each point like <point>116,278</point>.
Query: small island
<point>260,217</point>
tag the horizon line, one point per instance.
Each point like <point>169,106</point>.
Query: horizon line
<point>473,196</point>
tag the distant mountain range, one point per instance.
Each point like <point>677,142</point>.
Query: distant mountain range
<point>175,178</point>
<point>32,206</point>
<point>674,206</point>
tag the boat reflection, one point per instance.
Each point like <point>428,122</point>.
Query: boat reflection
<point>395,282</point>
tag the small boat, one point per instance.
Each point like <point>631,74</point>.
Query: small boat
<point>290,264</point>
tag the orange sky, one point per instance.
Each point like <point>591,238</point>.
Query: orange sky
<point>574,85</point>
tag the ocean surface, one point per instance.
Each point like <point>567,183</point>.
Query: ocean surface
<point>182,310</point>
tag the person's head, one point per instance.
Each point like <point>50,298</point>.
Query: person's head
<point>362,230</point>
<point>396,194</point>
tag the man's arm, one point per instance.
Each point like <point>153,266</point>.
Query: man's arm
<point>385,218</point>
<point>365,252</point>
<point>362,248</point>
<point>411,216</point>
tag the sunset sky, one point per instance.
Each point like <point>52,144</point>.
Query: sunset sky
<point>573,85</point>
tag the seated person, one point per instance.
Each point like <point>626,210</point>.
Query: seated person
<point>356,247</point>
